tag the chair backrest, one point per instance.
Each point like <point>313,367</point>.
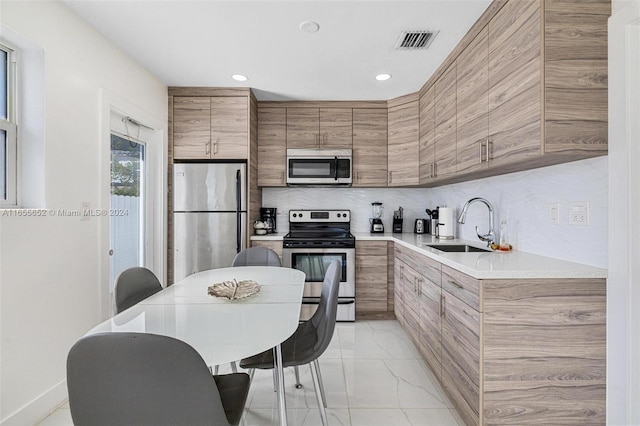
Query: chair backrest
<point>324,319</point>
<point>134,285</point>
<point>257,256</point>
<point>140,379</point>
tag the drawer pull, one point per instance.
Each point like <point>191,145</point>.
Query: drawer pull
<point>455,284</point>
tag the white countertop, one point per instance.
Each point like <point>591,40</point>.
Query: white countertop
<point>481,265</point>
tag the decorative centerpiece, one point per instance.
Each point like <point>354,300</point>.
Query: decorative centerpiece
<point>234,289</point>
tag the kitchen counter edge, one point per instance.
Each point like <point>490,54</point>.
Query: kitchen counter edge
<point>480,265</point>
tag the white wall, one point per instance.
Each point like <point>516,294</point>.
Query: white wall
<point>51,267</point>
<point>524,198</point>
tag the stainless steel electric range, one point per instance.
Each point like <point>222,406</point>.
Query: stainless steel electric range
<point>315,238</point>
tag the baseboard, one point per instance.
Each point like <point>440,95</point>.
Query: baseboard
<point>38,409</point>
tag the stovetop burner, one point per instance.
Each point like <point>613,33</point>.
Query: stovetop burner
<point>319,228</point>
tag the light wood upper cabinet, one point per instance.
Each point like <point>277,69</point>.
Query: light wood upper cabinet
<point>229,127</point>
<point>272,146</point>
<point>210,128</point>
<point>303,126</point>
<point>191,127</point>
<point>403,144</point>
<point>427,136</point>
<point>371,277</point>
<point>472,115</point>
<point>515,83</point>
<point>369,147</point>
<point>319,127</point>
<point>576,77</point>
<point>445,120</point>
<point>336,128</point>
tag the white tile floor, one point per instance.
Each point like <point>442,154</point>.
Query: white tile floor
<point>372,373</point>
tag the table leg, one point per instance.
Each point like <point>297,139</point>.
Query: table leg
<point>282,405</point>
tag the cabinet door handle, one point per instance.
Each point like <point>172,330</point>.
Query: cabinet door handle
<point>435,169</point>
<point>489,150</point>
<point>208,149</point>
<point>455,284</point>
<point>431,170</point>
<point>443,302</point>
<point>401,273</point>
<point>390,177</point>
<point>482,151</point>
<point>215,147</point>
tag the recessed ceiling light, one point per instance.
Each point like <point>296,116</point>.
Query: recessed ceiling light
<point>239,77</point>
<point>383,77</point>
<point>309,26</point>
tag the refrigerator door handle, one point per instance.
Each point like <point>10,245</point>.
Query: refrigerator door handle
<point>238,209</point>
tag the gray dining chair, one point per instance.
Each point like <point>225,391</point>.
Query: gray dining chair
<point>134,285</point>
<point>257,256</point>
<point>149,379</point>
<point>310,339</point>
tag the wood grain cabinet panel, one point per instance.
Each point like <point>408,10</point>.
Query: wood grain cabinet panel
<point>430,346</point>
<point>329,128</point>
<point>509,351</point>
<point>371,277</point>
<point>403,144</point>
<point>230,127</point>
<point>303,126</point>
<point>545,351</point>
<point>427,137</point>
<point>191,127</point>
<point>272,146</point>
<point>369,147</point>
<point>210,127</point>
<point>515,83</point>
<point>273,245</point>
<point>472,99</point>
<point>576,76</point>
<point>461,356</point>
<point>398,291</point>
<point>445,120</point>
<point>336,128</point>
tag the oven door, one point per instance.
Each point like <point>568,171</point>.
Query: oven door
<point>313,262</point>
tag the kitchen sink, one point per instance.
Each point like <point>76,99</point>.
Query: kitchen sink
<point>457,248</point>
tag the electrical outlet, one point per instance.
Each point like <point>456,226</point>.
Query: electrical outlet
<point>579,213</point>
<point>554,214</point>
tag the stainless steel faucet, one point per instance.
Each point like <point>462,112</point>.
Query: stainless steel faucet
<point>489,236</point>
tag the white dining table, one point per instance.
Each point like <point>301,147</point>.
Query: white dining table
<point>222,330</point>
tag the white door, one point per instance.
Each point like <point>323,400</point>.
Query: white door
<point>127,205</point>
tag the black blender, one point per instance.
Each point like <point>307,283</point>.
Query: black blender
<point>377,227</point>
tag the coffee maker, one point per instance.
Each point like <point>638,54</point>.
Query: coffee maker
<point>377,227</point>
<point>268,216</point>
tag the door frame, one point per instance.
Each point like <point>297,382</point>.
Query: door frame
<point>623,292</point>
<point>156,190</point>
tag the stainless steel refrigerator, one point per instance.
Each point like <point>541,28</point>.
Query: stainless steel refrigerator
<point>209,216</point>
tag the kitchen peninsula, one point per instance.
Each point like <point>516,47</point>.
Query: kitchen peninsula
<point>513,337</point>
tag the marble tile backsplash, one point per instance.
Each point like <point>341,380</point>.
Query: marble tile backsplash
<point>524,199</point>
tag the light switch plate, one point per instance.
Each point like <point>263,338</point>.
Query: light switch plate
<point>554,214</point>
<point>579,213</point>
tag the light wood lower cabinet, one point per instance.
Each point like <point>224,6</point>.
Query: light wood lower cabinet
<point>275,245</point>
<point>371,277</point>
<point>509,351</point>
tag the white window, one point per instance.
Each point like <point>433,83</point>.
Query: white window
<point>8,128</point>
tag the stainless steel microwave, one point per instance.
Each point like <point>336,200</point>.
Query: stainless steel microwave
<point>319,167</point>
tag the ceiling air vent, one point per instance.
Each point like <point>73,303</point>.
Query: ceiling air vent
<point>415,40</point>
